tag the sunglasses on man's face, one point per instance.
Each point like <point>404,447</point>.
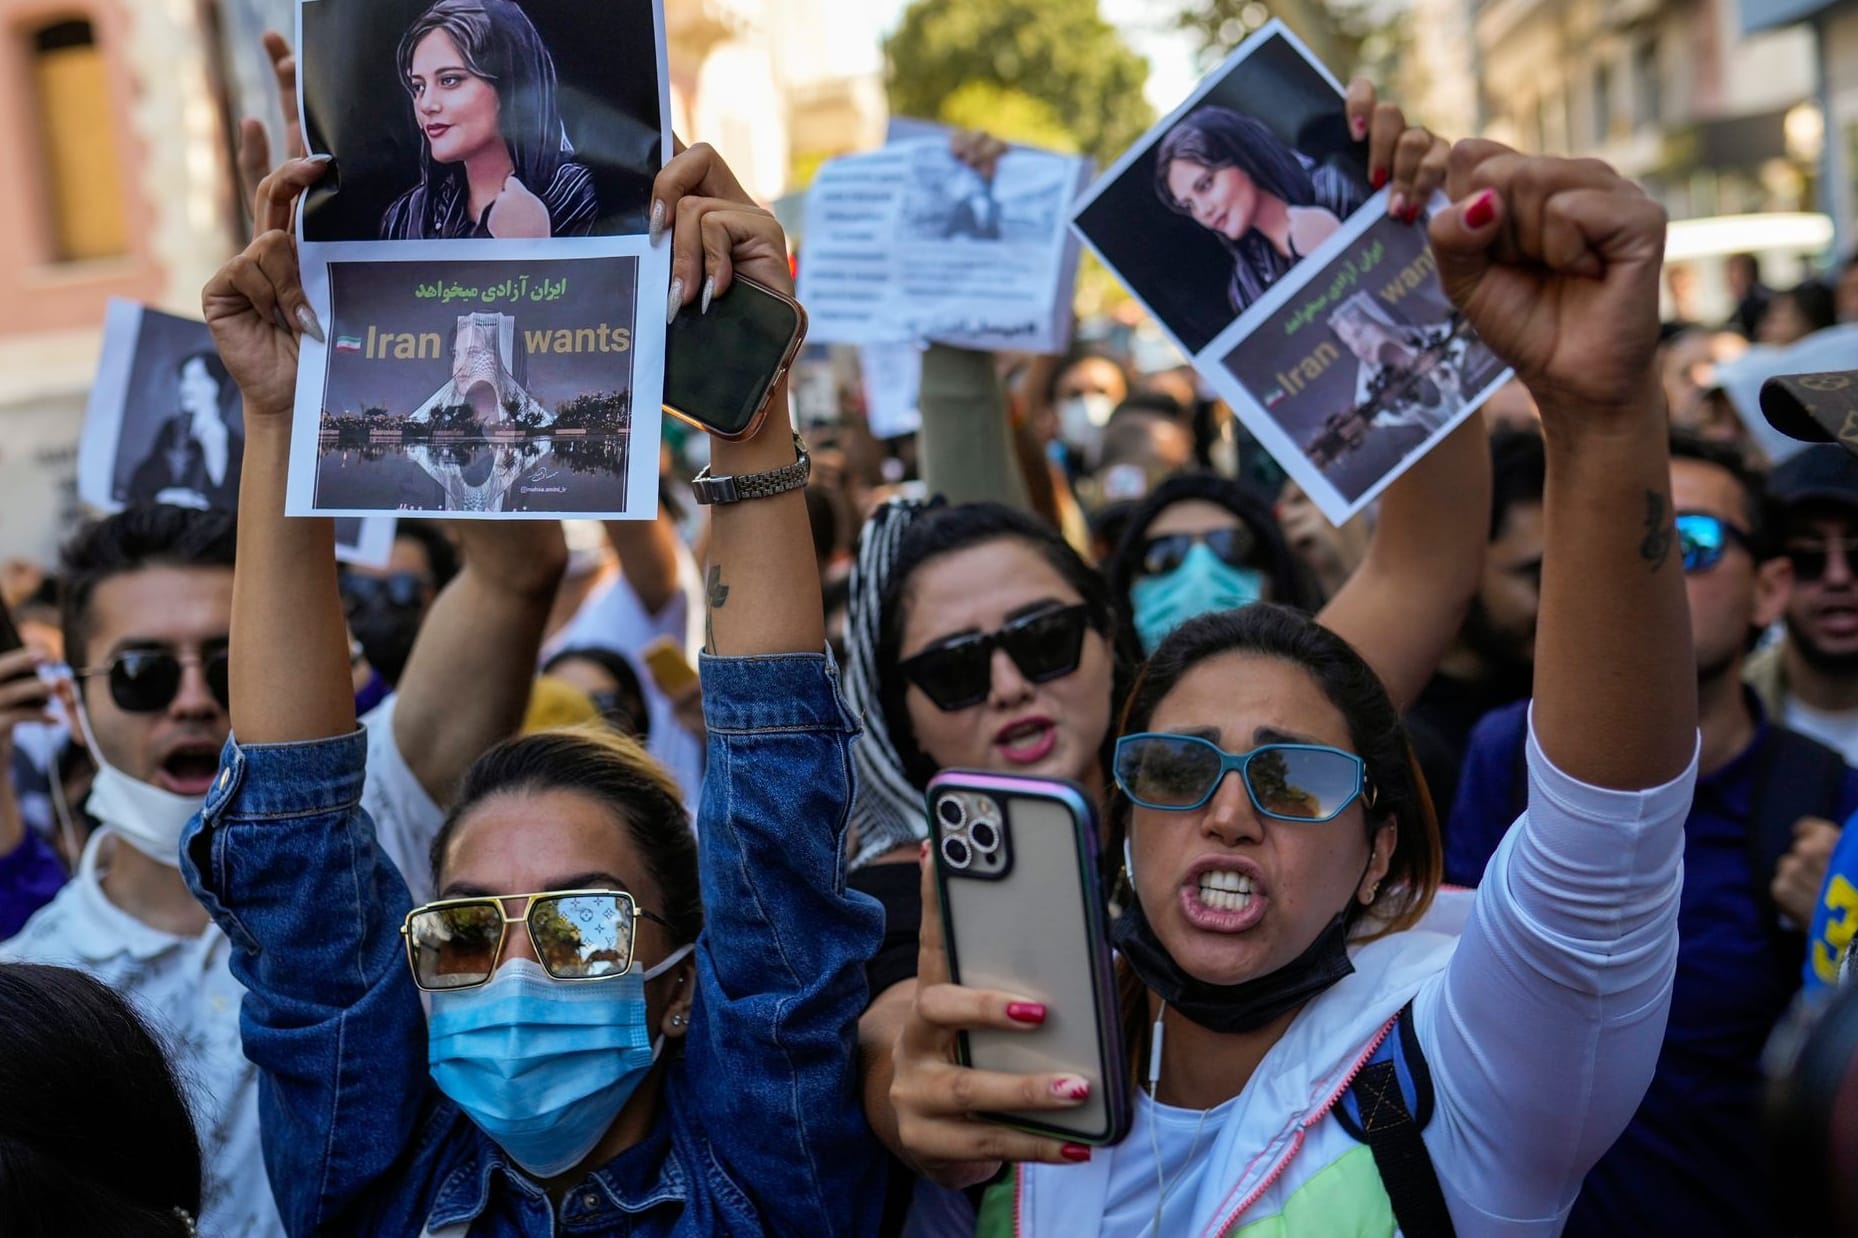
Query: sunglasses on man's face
<point>1705,539</point>
<point>456,943</point>
<point>146,681</point>
<point>1286,782</point>
<point>1234,546</point>
<point>1811,559</point>
<point>958,674</point>
<point>401,589</point>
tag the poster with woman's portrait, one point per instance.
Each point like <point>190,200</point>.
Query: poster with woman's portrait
<point>490,186</point>
<point>165,424</point>
<point>480,119</point>
<point>1236,213</point>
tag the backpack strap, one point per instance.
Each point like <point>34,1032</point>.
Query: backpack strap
<point>1795,777</point>
<point>1387,1107</point>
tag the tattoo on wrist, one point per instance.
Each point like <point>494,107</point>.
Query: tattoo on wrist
<point>1659,531</point>
<point>719,598</point>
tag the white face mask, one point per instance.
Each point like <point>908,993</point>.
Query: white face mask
<point>149,819</point>
<point>1081,419</point>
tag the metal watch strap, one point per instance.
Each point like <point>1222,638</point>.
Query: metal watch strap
<point>711,490</point>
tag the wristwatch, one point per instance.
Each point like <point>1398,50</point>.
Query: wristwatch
<point>711,490</point>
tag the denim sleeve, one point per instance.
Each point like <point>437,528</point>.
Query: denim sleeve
<point>286,861</point>
<point>1487,803</point>
<point>771,1052</point>
<point>30,875</point>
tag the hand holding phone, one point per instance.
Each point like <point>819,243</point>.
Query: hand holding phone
<point>724,362</point>
<point>1014,1021</point>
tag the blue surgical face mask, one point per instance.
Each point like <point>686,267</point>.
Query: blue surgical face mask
<point>1202,584</point>
<point>543,1066</point>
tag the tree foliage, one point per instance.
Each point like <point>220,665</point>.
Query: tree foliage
<point>1047,68</point>
<point>1350,36</point>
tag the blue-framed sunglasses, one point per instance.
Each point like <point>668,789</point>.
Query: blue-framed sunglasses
<point>1286,782</point>
<point>1705,539</point>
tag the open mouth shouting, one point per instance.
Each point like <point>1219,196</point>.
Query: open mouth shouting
<point>1026,741</point>
<point>188,768</point>
<point>1223,895</point>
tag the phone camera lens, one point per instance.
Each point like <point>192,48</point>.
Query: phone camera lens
<point>957,852</point>
<point>985,836</point>
<point>953,814</point>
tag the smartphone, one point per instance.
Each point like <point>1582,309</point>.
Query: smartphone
<point>670,669</point>
<point>1023,911</point>
<point>721,368</point>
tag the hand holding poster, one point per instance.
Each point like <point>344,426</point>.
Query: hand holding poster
<point>1246,224</point>
<point>165,424</point>
<point>478,256</point>
<point>909,244</point>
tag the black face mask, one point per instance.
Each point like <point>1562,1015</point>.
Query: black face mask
<point>1228,1008</point>
<point>386,632</point>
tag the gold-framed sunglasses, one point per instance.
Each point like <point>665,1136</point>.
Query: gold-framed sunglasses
<point>456,943</point>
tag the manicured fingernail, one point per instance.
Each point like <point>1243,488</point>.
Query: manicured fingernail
<point>1378,178</point>
<point>709,290</point>
<point>1482,210</point>
<point>320,158</point>
<point>1359,127</point>
<point>657,226</point>
<point>1396,206</point>
<point>1076,1153</point>
<point>1071,1087</point>
<point>307,321</point>
<point>1412,214</point>
<point>922,857</point>
<point>675,303</point>
<point>1025,1012</point>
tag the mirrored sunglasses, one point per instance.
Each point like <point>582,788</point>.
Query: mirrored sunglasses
<point>457,943</point>
<point>1286,782</point>
<point>1705,539</point>
<point>1164,554</point>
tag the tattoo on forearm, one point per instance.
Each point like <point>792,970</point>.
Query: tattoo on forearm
<point>1659,531</point>
<point>719,598</point>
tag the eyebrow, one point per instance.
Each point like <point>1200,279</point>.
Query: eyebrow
<point>579,881</point>
<point>152,644</point>
<point>1271,735</point>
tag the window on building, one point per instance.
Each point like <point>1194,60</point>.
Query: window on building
<point>1648,111</point>
<point>1602,102</point>
<point>82,178</point>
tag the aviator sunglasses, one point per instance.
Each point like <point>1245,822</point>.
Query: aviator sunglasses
<point>146,681</point>
<point>456,943</point>
<point>1286,782</point>
<point>1705,539</point>
<point>1234,546</point>
<point>958,674</point>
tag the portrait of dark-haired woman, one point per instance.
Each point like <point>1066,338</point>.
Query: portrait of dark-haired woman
<point>1267,204</point>
<point>196,454</point>
<point>496,159</point>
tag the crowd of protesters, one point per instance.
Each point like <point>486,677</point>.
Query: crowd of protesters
<point>281,843</point>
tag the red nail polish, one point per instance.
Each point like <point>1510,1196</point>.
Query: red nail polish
<point>1410,215</point>
<point>1482,210</point>
<point>1071,1089</point>
<point>1076,1153</point>
<point>1025,1012</point>
<point>1378,178</point>
<point>1359,127</point>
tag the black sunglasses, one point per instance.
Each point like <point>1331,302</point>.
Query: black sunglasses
<point>1705,539</point>
<point>1234,546</point>
<point>401,589</point>
<point>1044,646</point>
<point>1811,559</point>
<point>146,681</point>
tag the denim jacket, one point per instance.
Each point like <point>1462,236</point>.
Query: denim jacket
<point>759,1129</point>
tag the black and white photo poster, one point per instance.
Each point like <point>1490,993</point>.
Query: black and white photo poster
<point>478,256</point>
<point>165,424</point>
<point>1245,223</point>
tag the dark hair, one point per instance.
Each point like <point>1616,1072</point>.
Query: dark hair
<point>1815,300</point>
<point>216,370</point>
<point>619,667</point>
<point>1218,137</point>
<point>1076,356</point>
<point>1518,474</point>
<point>1158,403</point>
<point>143,536</point>
<point>95,1134</point>
<point>441,555</point>
<point>1757,507</point>
<point>943,531</point>
<point>1273,557</point>
<point>499,44</point>
<point>614,771</point>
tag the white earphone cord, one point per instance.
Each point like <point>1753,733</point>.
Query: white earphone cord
<point>1162,1185</point>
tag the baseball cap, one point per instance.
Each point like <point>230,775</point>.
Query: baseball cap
<point>1821,473</point>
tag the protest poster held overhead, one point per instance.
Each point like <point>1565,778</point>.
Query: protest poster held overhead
<point>1246,224</point>
<point>479,254</point>
<point>165,424</point>
<point>910,244</point>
